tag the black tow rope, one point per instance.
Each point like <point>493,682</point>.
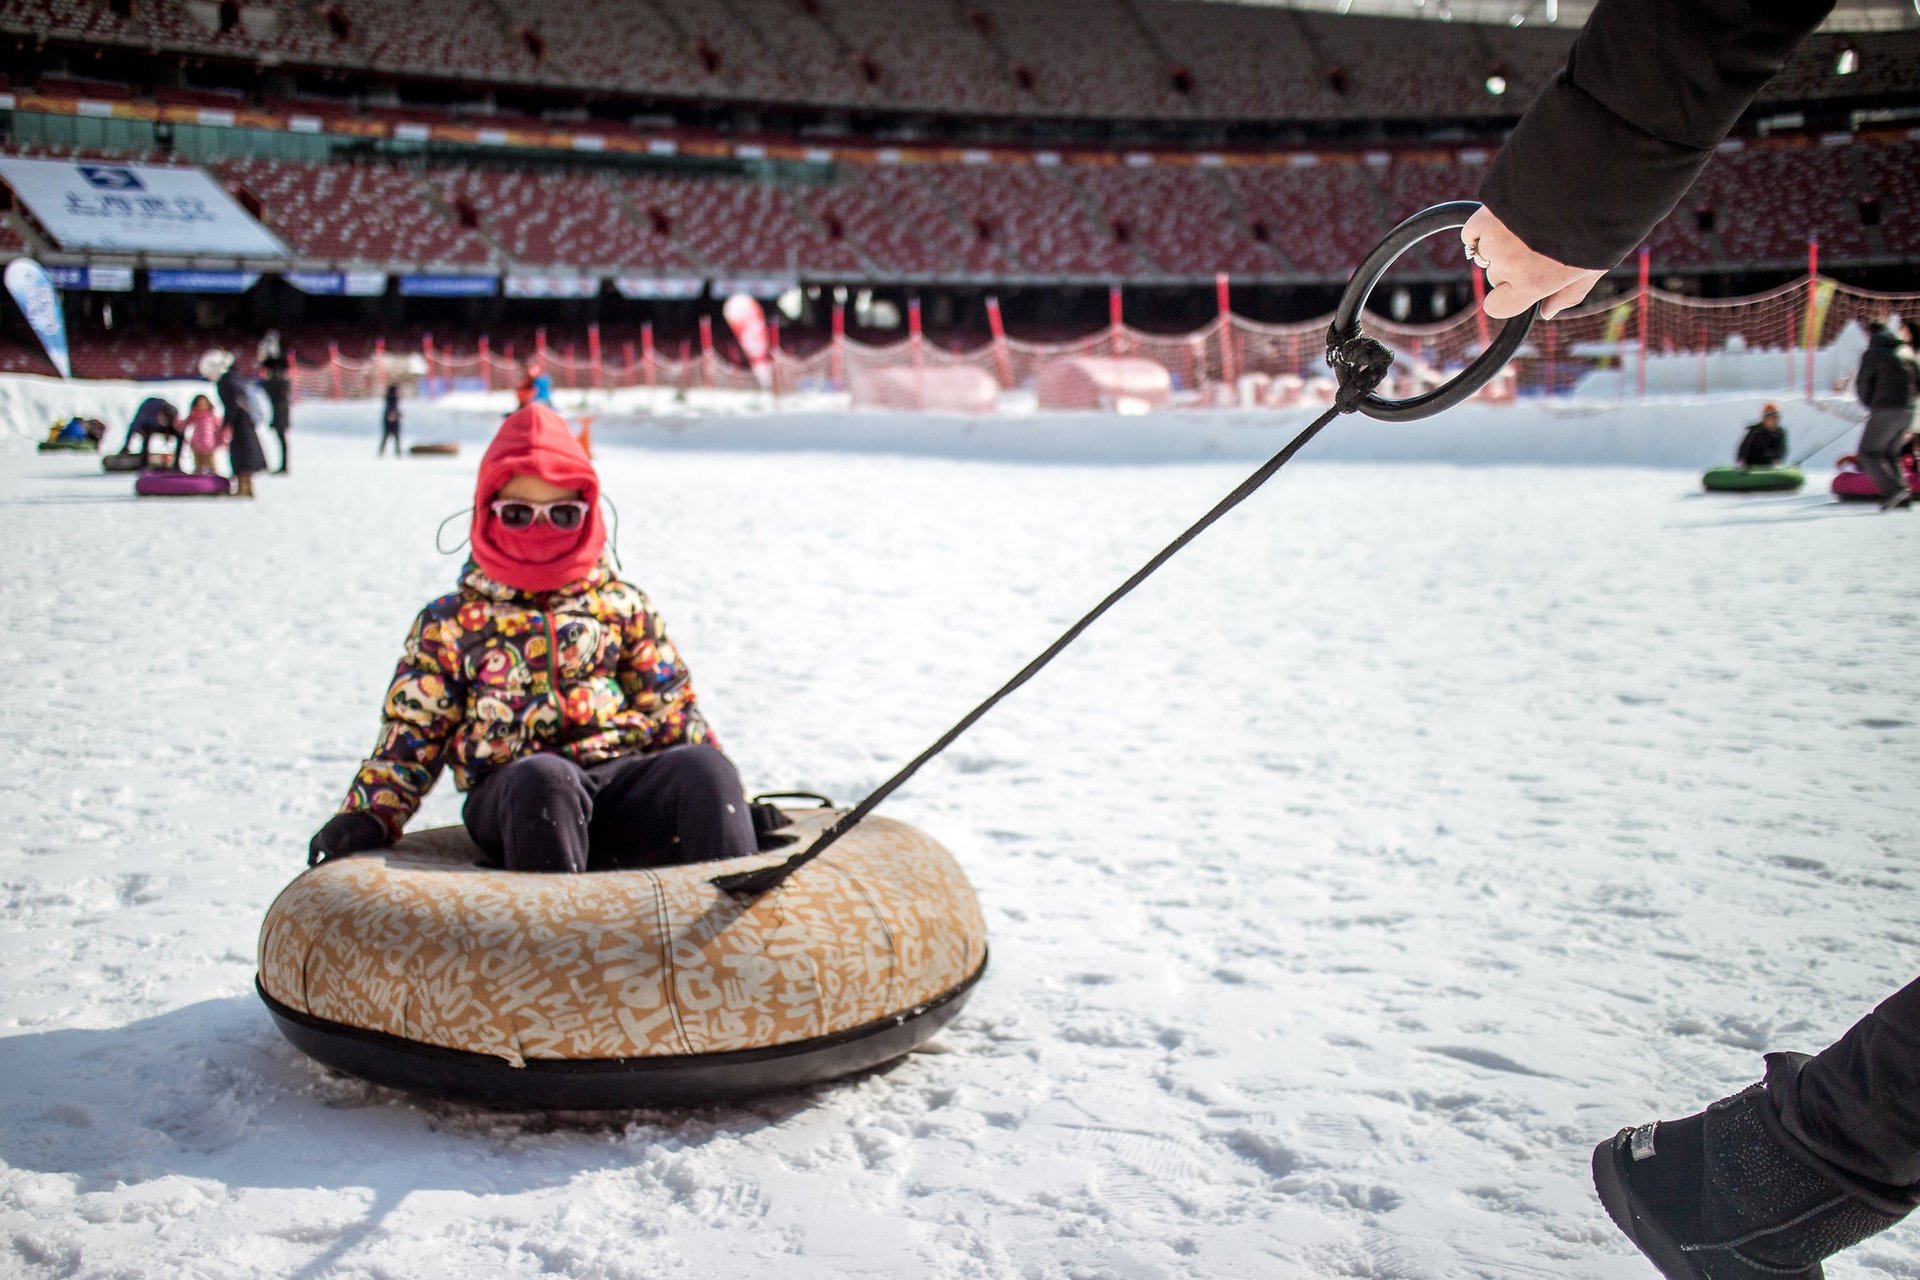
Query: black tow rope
<point>1360,363</point>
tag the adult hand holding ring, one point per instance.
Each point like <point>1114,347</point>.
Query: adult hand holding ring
<point>1518,277</point>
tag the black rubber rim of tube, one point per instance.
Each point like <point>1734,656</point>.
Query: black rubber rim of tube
<point>612,1084</point>
<point>1346,318</point>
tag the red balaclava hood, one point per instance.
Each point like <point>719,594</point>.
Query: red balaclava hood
<point>535,441</point>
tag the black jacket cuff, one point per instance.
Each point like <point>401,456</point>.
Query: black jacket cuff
<point>1582,186</point>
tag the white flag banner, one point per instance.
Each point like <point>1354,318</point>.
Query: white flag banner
<point>137,208</point>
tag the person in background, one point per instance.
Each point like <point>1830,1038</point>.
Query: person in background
<point>551,688</point>
<point>275,367</point>
<point>1888,384</point>
<point>154,417</point>
<point>205,434</point>
<point>244,453</point>
<point>1765,443</point>
<point>390,422</point>
<point>1826,1150</point>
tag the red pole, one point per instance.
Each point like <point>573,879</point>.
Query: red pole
<point>333,367</point>
<point>706,349</point>
<point>593,352</point>
<point>913,335</point>
<point>1228,374</point>
<point>379,363</point>
<point>1646,276</point>
<point>648,370</point>
<point>1116,339</point>
<point>1813,290</point>
<point>1001,361</point>
<point>837,352</point>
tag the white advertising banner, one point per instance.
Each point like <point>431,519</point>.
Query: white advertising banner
<point>137,208</point>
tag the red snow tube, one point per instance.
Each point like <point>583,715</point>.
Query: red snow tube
<point>179,484</point>
<point>1851,484</point>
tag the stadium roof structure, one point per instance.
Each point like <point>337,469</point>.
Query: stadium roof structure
<point>1848,15</point>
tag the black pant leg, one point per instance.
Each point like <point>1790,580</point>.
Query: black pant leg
<point>532,815</point>
<point>1856,1103</point>
<point>683,804</point>
<point>1879,450</point>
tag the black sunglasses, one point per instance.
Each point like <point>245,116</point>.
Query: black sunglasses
<point>568,513</point>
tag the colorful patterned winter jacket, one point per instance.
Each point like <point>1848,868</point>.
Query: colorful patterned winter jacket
<point>491,674</point>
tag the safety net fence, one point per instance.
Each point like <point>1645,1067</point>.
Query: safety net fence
<point>1802,339</point>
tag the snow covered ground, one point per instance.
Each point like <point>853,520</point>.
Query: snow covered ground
<point>1415,829</point>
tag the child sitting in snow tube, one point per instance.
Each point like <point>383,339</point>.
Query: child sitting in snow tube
<point>550,687</point>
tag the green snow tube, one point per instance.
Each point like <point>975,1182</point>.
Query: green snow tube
<point>1753,479</point>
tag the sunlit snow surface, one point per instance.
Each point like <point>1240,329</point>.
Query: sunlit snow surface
<point>1412,831</point>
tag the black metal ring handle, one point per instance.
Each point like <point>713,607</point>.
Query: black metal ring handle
<point>1346,318</point>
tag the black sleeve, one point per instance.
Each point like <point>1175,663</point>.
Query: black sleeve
<point>1617,138</point>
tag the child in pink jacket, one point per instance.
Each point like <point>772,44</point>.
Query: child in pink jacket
<point>205,434</point>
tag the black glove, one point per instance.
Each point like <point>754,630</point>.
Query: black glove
<point>345,833</point>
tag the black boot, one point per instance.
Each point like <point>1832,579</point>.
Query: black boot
<point>1729,1194</point>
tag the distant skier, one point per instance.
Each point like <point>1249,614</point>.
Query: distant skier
<point>277,367</point>
<point>390,422</point>
<point>1765,443</point>
<point>244,454</point>
<point>154,417</point>
<point>1888,384</point>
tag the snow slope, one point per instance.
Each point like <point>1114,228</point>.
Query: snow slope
<point>1412,831</point>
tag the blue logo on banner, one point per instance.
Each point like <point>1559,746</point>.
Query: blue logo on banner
<point>109,178</point>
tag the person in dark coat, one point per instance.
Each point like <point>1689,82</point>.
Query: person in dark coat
<point>154,417</point>
<point>1765,443</point>
<point>276,370</point>
<point>1887,384</point>
<point>390,423</point>
<point>1825,1150</point>
<point>244,454</point>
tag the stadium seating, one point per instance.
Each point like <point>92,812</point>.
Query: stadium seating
<point>375,214</point>
<point>559,220</point>
<point>1893,170</point>
<point>1183,221</point>
<point>1124,59</point>
<point>1320,218</point>
<point>741,226</point>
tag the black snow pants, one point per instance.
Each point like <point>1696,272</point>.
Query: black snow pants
<point>545,813</point>
<point>1856,1103</point>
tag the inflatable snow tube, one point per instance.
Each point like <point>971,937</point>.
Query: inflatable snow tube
<point>1753,479</point>
<point>1103,382</point>
<point>1850,484</point>
<point>68,446</point>
<point>442,449</point>
<point>179,484</point>
<point>417,968</point>
<point>120,462</point>
<point>942,389</point>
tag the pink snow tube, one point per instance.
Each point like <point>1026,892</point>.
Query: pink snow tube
<point>1100,382</point>
<point>179,484</point>
<point>1854,485</point>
